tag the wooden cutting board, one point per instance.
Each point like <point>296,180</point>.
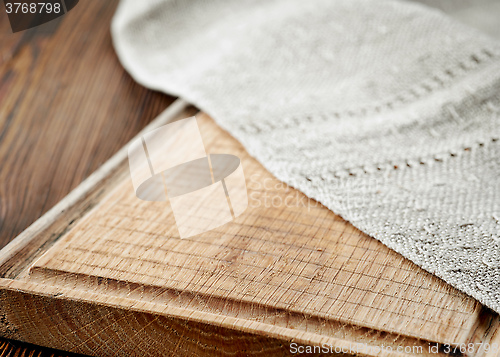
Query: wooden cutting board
<point>106,274</point>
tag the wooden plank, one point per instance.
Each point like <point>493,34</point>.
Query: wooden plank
<point>66,106</point>
<point>275,275</point>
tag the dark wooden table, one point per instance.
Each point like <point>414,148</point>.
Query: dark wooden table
<point>66,106</point>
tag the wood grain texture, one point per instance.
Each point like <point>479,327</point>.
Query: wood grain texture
<point>119,280</point>
<point>10,348</point>
<point>285,253</point>
<point>66,105</point>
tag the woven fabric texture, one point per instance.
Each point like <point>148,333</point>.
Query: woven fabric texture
<point>386,112</point>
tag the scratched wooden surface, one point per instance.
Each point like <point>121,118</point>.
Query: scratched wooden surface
<point>296,256</point>
<point>284,253</point>
<point>277,273</point>
<point>66,105</point>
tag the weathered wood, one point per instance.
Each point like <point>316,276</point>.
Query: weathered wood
<point>119,280</point>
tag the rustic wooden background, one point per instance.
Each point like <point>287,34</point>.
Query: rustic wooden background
<point>66,106</point>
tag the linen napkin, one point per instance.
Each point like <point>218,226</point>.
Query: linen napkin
<point>387,112</point>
